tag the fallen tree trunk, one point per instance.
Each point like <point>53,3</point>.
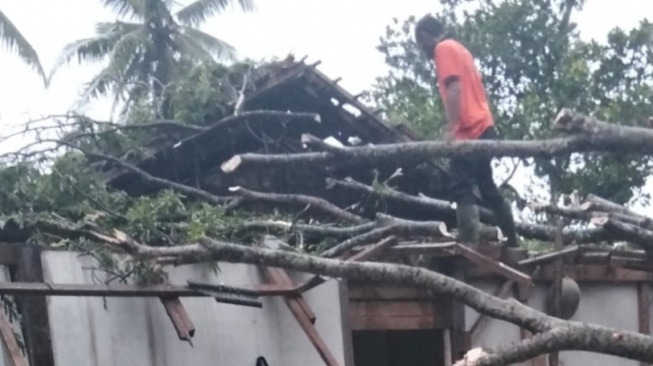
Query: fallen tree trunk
<point>586,134</point>
<point>553,334</point>
<point>556,334</point>
<point>634,234</point>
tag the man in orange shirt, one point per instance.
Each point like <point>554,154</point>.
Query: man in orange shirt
<point>469,117</point>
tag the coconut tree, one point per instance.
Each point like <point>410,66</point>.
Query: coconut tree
<point>15,42</point>
<point>144,48</point>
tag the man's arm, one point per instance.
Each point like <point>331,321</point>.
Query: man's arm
<point>452,104</point>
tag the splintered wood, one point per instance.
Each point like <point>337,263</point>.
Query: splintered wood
<point>179,318</point>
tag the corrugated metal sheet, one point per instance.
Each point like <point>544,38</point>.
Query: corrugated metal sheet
<point>135,331</point>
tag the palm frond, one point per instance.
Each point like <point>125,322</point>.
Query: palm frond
<point>98,86</point>
<point>126,8</point>
<point>113,78</point>
<point>127,46</point>
<point>15,42</point>
<point>98,47</point>
<point>214,46</point>
<point>198,11</point>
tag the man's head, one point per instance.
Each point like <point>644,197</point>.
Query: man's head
<point>428,32</point>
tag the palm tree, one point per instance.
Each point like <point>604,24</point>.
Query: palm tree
<point>144,51</point>
<point>14,40</point>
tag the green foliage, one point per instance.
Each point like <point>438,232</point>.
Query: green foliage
<point>204,94</point>
<point>16,42</point>
<point>534,64</point>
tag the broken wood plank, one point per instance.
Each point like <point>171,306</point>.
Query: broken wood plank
<point>277,290</point>
<point>9,338</point>
<point>644,310</point>
<point>375,249</point>
<point>99,290</point>
<point>180,319</point>
<point>302,318</point>
<point>280,277</point>
<point>431,249</point>
<point>569,252</point>
<point>495,266</point>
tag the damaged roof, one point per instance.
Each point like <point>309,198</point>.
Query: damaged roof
<point>293,86</point>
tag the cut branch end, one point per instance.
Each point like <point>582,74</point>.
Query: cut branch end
<point>232,164</point>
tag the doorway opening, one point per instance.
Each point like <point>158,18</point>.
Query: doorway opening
<point>421,347</point>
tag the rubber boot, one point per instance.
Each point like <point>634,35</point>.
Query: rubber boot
<point>505,221</point>
<point>469,226</point>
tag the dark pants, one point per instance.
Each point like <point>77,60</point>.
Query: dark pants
<point>470,172</point>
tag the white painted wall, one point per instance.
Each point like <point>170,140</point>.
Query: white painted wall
<point>604,304</point>
<point>137,331</point>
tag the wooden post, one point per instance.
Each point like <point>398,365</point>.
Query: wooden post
<point>34,309</point>
<point>446,337</point>
<point>643,310</point>
<point>557,278</point>
<point>458,335</point>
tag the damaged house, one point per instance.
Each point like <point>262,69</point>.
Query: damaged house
<point>392,212</point>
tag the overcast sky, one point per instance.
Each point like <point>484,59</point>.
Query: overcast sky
<point>341,33</point>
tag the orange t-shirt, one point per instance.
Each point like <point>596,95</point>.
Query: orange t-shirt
<point>453,59</point>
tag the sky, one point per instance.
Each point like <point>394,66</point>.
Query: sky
<point>342,34</point>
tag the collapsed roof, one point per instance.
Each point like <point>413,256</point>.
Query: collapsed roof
<point>294,87</point>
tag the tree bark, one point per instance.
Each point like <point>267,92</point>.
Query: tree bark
<point>318,203</point>
<point>528,230</point>
<point>586,134</point>
<point>388,225</point>
<point>315,230</point>
<point>554,334</point>
<point>572,335</point>
<point>629,232</point>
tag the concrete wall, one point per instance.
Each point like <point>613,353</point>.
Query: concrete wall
<point>136,331</point>
<point>604,304</point>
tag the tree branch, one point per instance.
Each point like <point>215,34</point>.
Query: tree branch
<point>579,336</point>
<point>532,231</point>
<point>316,230</point>
<point>571,336</point>
<point>386,226</point>
<point>554,334</point>
<point>196,192</point>
<point>318,203</point>
<point>586,135</point>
